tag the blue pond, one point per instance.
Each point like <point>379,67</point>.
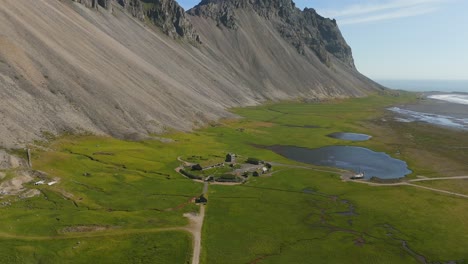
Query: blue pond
<point>350,136</point>
<point>373,164</point>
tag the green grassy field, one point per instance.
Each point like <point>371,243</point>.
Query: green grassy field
<point>124,201</point>
<point>294,216</point>
<point>458,186</point>
<point>163,247</point>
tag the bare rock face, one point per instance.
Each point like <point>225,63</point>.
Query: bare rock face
<point>300,28</point>
<point>220,11</point>
<point>171,18</point>
<point>88,3</point>
<point>107,4</point>
<point>168,15</point>
<point>134,7</point>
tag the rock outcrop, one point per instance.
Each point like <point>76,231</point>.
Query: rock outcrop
<point>223,12</point>
<point>134,7</point>
<point>167,15</point>
<point>88,3</point>
<point>170,17</point>
<point>300,28</point>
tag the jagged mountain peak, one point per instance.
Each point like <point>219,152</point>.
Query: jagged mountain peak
<point>171,18</point>
<point>167,15</point>
<point>301,29</point>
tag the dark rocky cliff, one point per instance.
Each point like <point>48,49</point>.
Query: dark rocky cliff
<point>168,15</point>
<point>171,18</point>
<point>134,7</point>
<point>300,28</point>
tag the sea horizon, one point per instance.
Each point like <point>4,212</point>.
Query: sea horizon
<point>447,86</point>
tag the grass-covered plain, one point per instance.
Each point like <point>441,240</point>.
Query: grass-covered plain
<point>121,191</point>
<point>458,186</point>
<point>162,247</point>
<point>302,216</point>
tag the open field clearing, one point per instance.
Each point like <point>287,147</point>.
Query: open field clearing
<point>123,201</point>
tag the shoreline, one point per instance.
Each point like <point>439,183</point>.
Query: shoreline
<point>441,113</point>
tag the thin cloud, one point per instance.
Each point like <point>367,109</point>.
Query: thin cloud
<point>408,12</point>
<point>361,9</point>
<point>394,9</point>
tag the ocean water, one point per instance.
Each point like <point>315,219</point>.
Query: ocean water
<point>408,116</point>
<point>427,85</point>
<point>452,98</point>
<point>446,103</point>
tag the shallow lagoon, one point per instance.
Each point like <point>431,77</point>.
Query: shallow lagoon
<point>373,164</point>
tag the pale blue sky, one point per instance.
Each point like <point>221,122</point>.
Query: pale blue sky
<point>400,39</point>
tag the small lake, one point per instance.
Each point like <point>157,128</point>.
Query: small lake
<point>350,136</point>
<point>373,164</point>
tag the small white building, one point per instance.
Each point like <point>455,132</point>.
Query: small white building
<point>39,183</point>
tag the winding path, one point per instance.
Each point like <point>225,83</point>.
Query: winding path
<point>438,190</point>
<point>409,183</point>
<point>195,228</point>
<point>196,219</point>
<point>109,232</point>
<point>439,178</point>
<point>185,163</point>
<point>403,183</point>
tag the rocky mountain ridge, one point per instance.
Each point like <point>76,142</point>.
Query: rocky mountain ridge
<point>129,68</point>
<point>171,18</point>
<point>300,28</point>
<point>167,15</point>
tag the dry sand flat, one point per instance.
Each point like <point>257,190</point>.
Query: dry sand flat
<point>64,67</point>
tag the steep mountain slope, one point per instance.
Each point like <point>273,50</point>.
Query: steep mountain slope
<point>136,67</point>
<point>300,28</point>
<point>250,38</point>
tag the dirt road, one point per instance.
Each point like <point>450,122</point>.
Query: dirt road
<point>409,183</point>
<point>439,178</point>
<point>195,228</point>
<point>438,190</point>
